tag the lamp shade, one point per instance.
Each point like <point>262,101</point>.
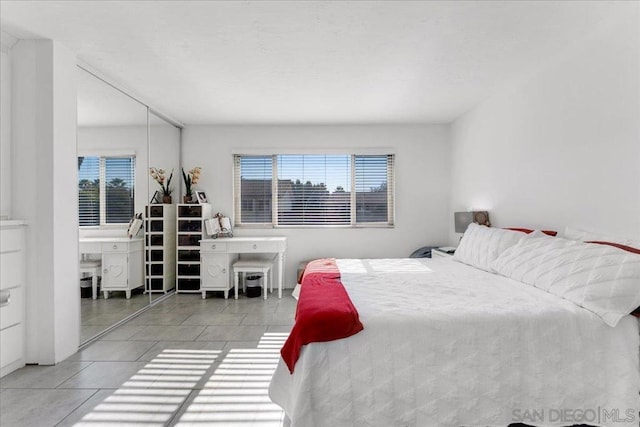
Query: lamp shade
<point>463,219</point>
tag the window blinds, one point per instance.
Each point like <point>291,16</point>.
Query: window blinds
<point>313,189</point>
<point>253,182</point>
<point>373,182</point>
<point>119,178</point>
<point>105,190</point>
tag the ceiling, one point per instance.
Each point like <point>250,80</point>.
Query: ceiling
<point>311,62</point>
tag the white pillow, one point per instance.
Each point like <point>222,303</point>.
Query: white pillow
<point>589,236</point>
<point>480,245</point>
<point>602,279</point>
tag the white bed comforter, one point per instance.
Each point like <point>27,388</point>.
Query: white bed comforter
<point>446,344</point>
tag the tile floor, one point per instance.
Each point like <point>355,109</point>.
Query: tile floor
<point>97,315</point>
<point>186,361</point>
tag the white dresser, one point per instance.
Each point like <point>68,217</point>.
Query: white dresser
<point>12,284</point>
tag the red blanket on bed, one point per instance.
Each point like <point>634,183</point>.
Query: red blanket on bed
<point>324,311</point>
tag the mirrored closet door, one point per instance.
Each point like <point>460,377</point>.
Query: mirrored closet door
<point>113,187</point>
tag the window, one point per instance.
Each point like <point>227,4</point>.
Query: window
<point>105,190</point>
<point>314,190</point>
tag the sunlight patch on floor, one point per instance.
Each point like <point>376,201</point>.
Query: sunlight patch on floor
<point>153,394</point>
<point>237,392</point>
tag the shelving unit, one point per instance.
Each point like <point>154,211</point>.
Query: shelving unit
<point>190,230</point>
<point>160,248</point>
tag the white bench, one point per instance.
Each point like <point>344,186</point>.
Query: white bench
<point>243,266</point>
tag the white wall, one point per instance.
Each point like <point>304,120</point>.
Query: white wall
<point>422,184</point>
<point>5,133</point>
<point>165,154</point>
<point>561,147</point>
<point>43,153</point>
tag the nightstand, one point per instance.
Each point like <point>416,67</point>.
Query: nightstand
<point>443,252</point>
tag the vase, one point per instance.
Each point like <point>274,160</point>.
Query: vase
<point>187,199</point>
<point>166,199</point>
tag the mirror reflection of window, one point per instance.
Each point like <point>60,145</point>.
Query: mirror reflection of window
<point>106,189</point>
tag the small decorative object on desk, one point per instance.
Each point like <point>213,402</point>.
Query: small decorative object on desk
<point>219,226</point>
<point>191,178</point>
<point>134,225</point>
<point>159,176</point>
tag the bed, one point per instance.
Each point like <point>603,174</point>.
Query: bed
<point>450,344</point>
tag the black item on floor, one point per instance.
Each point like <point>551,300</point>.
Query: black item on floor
<point>85,287</point>
<point>254,286</point>
<point>423,252</point>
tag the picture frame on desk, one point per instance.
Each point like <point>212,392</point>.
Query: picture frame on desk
<point>200,197</point>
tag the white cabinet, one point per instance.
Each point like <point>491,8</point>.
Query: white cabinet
<point>160,248</point>
<point>12,276</point>
<point>215,269</point>
<point>122,266</point>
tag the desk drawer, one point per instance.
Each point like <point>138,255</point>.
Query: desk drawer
<point>12,314</point>
<point>115,247</point>
<point>213,247</point>
<point>11,240</point>
<point>249,247</point>
<point>11,270</point>
<point>131,246</point>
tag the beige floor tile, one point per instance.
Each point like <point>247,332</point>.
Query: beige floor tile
<point>155,317</point>
<point>215,319</point>
<point>232,333</point>
<point>86,408</point>
<point>258,318</point>
<point>33,376</point>
<point>123,332</point>
<point>185,346</point>
<point>88,332</point>
<point>39,408</point>
<point>122,351</point>
<point>169,333</point>
<point>104,375</point>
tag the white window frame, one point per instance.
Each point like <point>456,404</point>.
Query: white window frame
<point>237,197</point>
<point>103,155</point>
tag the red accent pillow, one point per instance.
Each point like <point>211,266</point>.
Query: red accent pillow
<point>528,231</point>
<point>616,245</point>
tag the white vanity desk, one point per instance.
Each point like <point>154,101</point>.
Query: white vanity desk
<point>122,262</point>
<point>217,257</point>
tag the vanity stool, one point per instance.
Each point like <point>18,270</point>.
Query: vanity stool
<point>93,268</point>
<point>243,266</point>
